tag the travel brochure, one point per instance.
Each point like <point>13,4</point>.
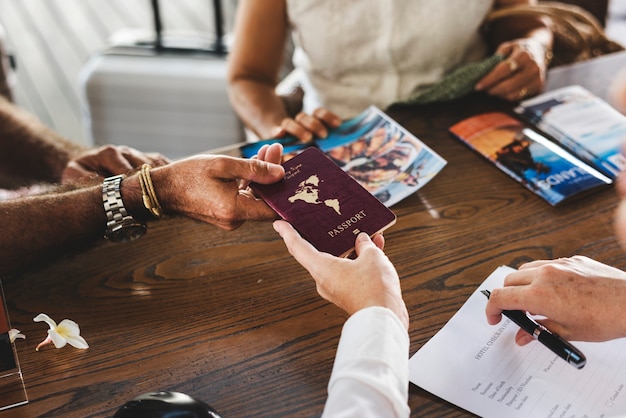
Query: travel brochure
<point>582,123</point>
<point>382,156</point>
<point>529,157</point>
<point>568,142</point>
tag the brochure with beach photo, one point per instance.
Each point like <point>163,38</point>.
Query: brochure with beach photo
<point>582,123</point>
<point>529,157</point>
<point>382,156</point>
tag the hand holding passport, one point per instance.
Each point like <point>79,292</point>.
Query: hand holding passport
<point>324,204</point>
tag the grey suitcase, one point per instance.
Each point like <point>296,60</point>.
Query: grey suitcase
<point>166,94</point>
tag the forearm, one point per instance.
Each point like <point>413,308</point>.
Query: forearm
<point>202,187</point>
<point>29,151</point>
<point>261,29</point>
<point>258,106</point>
<point>38,229</point>
<point>370,374</point>
<point>532,28</point>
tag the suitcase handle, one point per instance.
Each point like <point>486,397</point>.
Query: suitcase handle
<point>219,27</point>
<point>158,25</point>
<point>218,47</point>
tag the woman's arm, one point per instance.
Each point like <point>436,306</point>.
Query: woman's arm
<point>255,62</point>
<point>529,28</point>
<point>261,29</point>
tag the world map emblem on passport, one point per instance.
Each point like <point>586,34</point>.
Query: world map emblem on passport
<point>308,192</point>
<point>324,203</point>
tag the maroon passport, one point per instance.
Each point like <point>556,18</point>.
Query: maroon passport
<point>324,204</point>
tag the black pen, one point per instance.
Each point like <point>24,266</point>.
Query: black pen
<point>556,344</point>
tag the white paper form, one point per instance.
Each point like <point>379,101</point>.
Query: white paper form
<point>479,367</point>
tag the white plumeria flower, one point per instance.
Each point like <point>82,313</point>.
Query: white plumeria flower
<point>67,332</point>
<point>15,333</point>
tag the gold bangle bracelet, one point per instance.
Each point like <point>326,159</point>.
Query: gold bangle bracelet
<point>150,200</point>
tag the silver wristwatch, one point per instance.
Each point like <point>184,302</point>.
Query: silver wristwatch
<point>121,227</point>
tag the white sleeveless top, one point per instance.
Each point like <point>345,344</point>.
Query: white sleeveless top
<point>350,54</point>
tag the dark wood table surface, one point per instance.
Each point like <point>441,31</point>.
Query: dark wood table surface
<point>232,319</point>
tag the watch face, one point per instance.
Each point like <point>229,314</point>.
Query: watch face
<point>127,233</point>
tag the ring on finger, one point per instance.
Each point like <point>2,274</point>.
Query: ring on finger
<point>513,66</point>
<point>522,92</point>
<point>247,192</point>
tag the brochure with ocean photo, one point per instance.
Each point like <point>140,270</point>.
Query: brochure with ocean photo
<point>530,158</point>
<point>380,154</point>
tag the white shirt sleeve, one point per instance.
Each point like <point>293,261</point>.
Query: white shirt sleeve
<point>370,377</point>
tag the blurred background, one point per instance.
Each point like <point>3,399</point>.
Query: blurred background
<point>52,40</point>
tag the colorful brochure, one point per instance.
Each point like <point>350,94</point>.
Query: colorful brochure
<point>382,156</point>
<point>529,157</point>
<point>582,123</point>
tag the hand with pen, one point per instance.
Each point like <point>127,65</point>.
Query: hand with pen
<point>580,298</point>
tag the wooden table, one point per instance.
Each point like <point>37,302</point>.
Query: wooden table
<point>232,319</point>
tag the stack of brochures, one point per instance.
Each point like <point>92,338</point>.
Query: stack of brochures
<point>567,142</point>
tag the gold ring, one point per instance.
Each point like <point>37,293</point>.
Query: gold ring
<point>523,92</point>
<point>512,65</point>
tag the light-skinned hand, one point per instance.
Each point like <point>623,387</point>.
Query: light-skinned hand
<point>580,298</point>
<point>370,279</point>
